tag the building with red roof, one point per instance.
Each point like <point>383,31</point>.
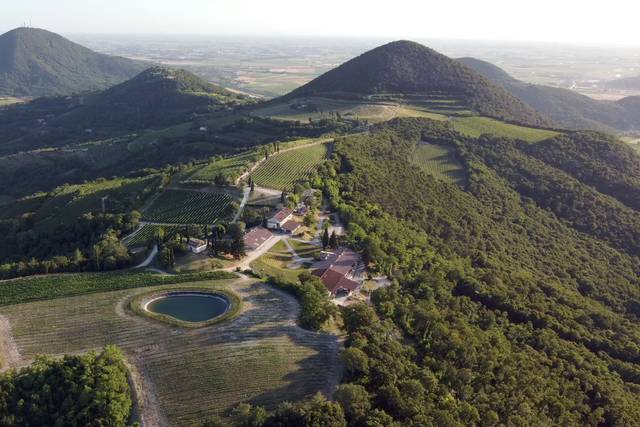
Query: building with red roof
<point>340,272</point>
<point>279,219</point>
<point>291,226</point>
<point>256,237</point>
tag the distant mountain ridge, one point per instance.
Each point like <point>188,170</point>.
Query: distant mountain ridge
<point>36,62</point>
<point>569,109</point>
<point>409,68</point>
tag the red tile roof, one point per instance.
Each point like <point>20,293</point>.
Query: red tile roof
<point>282,214</point>
<point>335,280</point>
<point>255,237</point>
<point>343,260</point>
<point>291,226</point>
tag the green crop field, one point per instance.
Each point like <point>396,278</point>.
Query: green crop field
<point>475,126</point>
<point>231,167</point>
<point>441,162</point>
<point>52,286</point>
<point>281,171</point>
<point>261,356</point>
<point>148,233</point>
<point>190,207</point>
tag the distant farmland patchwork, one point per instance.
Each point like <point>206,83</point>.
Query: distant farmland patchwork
<point>283,170</point>
<point>190,207</point>
<point>260,357</point>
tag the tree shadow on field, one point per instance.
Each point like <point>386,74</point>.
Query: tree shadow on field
<point>273,314</point>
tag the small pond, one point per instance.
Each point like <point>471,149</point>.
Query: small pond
<point>189,306</point>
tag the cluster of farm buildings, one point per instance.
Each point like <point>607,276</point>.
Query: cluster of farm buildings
<point>341,271</point>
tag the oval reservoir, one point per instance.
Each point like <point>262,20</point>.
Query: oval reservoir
<point>189,306</point>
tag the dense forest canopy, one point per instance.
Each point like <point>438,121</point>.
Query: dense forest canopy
<point>88,390</point>
<point>505,310</point>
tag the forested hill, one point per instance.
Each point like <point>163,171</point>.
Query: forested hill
<point>35,62</point>
<point>569,109</point>
<point>157,97</point>
<point>161,87</point>
<point>508,310</point>
<point>409,68</point>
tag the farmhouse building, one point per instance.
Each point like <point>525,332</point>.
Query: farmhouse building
<point>341,272</point>
<point>291,227</point>
<point>279,219</point>
<point>197,246</point>
<point>256,237</point>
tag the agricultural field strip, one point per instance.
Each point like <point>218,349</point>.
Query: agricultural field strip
<point>284,150</point>
<point>147,232</point>
<point>439,161</point>
<point>283,170</point>
<point>188,207</point>
<point>260,356</point>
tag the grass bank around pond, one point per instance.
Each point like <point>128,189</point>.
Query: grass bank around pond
<point>138,302</point>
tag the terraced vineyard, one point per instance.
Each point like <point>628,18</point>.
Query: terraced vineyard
<point>441,162</point>
<point>190,207</point>
<point>260,356</point>
<point>283,170</point>
<point>147,234</point>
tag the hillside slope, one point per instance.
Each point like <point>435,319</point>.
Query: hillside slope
<point>567,108</point>
<point>408,68</point>
<point>156,97</point>
<point>518,298</point>
<point>35,62</point>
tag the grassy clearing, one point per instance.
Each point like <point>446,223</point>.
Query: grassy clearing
<point>259,357</point>
<point>36,288</point>
<point>190,207</point>
<point>441,162</point>
<point>231,168</point>
<point>475,126</point>
<point>274,263</point>
<point>281,171</point>
<point>263,199</point>
<point>304,250</point>
<point>194,263</point>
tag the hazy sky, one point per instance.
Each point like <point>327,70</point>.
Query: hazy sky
<point>585,21</point>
